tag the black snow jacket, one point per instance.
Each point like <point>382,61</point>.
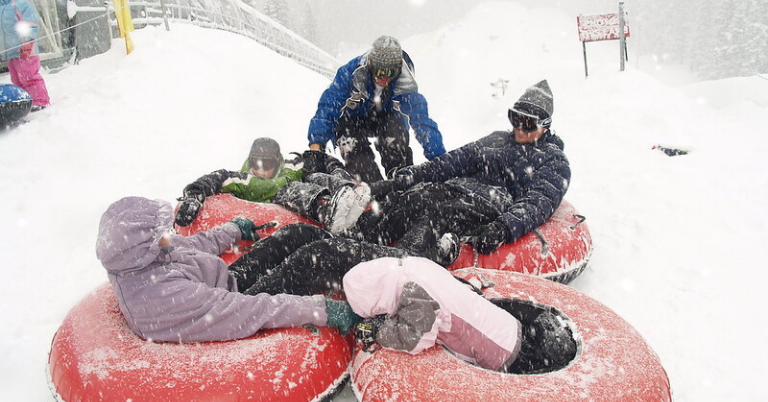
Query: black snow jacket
<point>525,182</point>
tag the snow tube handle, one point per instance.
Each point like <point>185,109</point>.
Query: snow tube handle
<point>581,218</point>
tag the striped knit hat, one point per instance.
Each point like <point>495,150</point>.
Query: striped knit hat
<point>386,54</point>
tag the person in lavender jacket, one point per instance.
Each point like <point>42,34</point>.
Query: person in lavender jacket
<point>410,304</point>
<point>176,289</point>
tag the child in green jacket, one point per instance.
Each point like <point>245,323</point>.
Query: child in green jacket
<point>266,177</point>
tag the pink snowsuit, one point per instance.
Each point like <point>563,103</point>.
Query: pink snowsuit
<point>26,74</point>
<point>24,70</point>
<point>425,305</point>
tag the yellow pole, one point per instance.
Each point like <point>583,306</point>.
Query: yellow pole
<point>124,22</point>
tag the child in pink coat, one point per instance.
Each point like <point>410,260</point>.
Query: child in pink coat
<point>420,304</point>
<point>19,29</point>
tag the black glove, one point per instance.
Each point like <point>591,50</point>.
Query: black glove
<point>331,163</point>
<point>189,208</point>
<point>367,329</point>
<point>403,172</point>
<point>314,162</point>
<point>247,228</point>
<point>381,188</point>
<point>490,238</point>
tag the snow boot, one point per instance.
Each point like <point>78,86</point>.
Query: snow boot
<point>421,240</point>
<point>447,249</point>
<point>345,207</point>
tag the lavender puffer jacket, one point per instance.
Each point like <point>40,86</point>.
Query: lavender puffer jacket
<point>186,294</point>
<point>425,305</point>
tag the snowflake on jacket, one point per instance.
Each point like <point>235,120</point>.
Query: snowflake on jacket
<point>525,182</point>
<point>424,305</point>
<point>185,293</point>
<point>351,93</point>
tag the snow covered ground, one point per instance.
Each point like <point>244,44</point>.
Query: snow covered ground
<point>678,241</point>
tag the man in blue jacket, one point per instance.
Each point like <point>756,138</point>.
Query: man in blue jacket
<point>374,95</point>
<point>495,189</point>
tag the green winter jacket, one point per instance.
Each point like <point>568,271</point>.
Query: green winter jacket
<point>256,189</point>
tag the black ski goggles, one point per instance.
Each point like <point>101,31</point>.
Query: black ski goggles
<point>526,121</point>
<point>264,163</point>
<point>390,73</point>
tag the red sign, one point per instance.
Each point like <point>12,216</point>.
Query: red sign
<point>601,27</point>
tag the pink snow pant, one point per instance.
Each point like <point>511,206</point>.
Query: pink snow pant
<point>26,74</point>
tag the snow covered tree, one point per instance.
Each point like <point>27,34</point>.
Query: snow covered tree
<point>309,24</point>
<point>278,11</point>
<point>714,38</point>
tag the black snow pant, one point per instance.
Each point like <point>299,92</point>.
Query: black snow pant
<point>271,251</point>
<point>423,213</point>
<point>392,143</point>
<point>302,259</point>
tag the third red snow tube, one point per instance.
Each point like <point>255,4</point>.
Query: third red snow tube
<point>613,362</point>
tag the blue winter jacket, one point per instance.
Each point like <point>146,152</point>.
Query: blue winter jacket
<point>10,39</point>
<point>351,94</point>
<point>525,182</point>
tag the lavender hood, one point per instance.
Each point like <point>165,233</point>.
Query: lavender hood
<point>129,232</point>
<point>186,294</point>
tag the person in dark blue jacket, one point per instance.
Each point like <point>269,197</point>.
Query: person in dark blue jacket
<point>494,190</point>
<point>374,95</point>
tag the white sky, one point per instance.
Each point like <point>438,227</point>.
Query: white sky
<point>677,240</point>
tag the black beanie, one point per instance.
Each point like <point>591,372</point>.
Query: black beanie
<point>265,149</point>
<point>386,53</point>
<point>536,101</point>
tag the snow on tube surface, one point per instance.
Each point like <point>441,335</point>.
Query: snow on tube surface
<point>96,357</point>
<point>221,208</point>
<point>557,250</point>
<point>613,362</point>
<point>15,103</point>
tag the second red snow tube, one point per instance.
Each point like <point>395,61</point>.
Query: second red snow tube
<point>96,357</point>
<point>557,250</point>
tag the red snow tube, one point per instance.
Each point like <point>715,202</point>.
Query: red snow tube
<point>613,362</point>
<point>96,357</point>
<point>558,250</point>
<point>221,208</point>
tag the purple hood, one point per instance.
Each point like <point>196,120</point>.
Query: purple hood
<point>129,232</point>
<point>186,294</point>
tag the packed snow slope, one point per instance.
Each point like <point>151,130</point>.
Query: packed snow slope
<point>678,240</point>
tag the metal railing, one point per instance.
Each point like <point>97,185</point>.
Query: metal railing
<point>228,15</point>
<point>240,18</point>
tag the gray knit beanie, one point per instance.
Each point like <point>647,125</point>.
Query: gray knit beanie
<point>265,149</point>
<point>386,53</point>
<point>537,101</point>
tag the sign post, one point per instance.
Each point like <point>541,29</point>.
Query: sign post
<point>622,38</point>
<point>604,27</point>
